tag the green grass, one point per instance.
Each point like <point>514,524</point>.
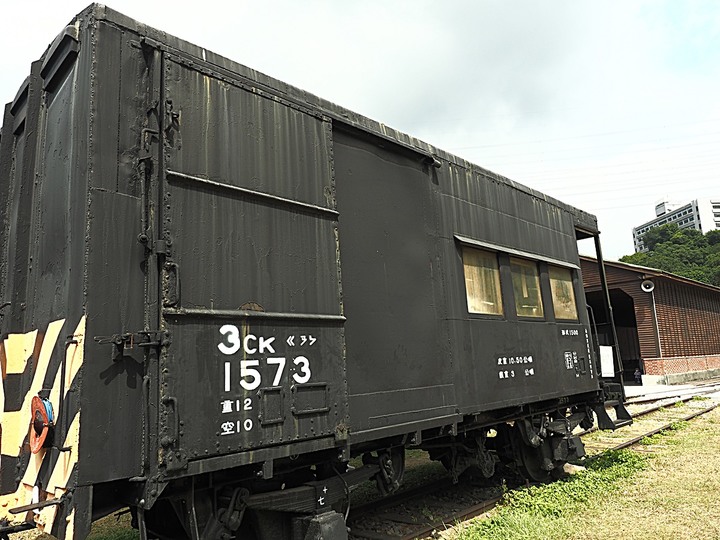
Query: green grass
<point>123,534</point>
<point>680,405</point>
<point>114,527</point>
<point>680,424</point>
<point>540,512</point>
<point>669,494</point>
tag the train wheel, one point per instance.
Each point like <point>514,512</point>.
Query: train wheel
<point>532,463</point>
<point>535,461</point>
<point>392,468</point>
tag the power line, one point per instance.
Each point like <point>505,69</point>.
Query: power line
<point>567,150</point>
<point>553,177</point>
<point>571,138</point>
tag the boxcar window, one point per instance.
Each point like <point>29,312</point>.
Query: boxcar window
<point>482,281</point>
<point>563,294</point>
<point>526,286</point>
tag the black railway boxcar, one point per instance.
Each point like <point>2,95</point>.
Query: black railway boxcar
<point>216,289</point>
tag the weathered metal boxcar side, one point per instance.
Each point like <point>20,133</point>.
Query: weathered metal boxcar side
<point>72,229</point>
<point>404,224</point>
<point>217,289</point>
<point>123,208</point>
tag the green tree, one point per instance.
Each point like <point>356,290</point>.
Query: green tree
<point>713,237</point>
<point>685,252</point>
<point>659,235</point>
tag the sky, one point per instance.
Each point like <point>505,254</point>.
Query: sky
<point>609,106</point>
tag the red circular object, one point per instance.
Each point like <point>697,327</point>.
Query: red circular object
<point>39,425</point>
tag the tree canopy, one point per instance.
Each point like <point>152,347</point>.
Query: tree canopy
<point>685,252</point>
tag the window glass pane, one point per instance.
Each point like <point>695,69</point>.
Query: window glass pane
<point>563,294</point>
<point>482,281</point>
<point>526,285</point>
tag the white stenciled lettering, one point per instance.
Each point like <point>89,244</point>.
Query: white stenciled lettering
<point>265,345</point>
<point>254,370</point>
<point>280,363</point>
<point>304,365</point>
<point>246,344</point>
<point>247,369</point>
<point>247,404</point>
<point>251,343</point>
<point>232,339</point>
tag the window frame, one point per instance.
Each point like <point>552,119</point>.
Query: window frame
<point>497,282</point>
<point>571,283</point>
<point>504,255</point>
<point>534,264</point>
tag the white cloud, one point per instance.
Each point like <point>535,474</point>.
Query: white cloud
<point>605,105</point>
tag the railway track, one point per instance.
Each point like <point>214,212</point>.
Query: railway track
<point>419,512</point>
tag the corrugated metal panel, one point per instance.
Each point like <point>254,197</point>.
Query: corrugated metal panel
<point>486,210</point>
<point>689,319</point>
<point>250,208</point>
<point>688,315</point>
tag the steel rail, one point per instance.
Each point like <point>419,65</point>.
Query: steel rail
<point>635,440</point>
<point>707,388</point>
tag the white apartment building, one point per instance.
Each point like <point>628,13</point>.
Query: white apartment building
<point>700,214</point>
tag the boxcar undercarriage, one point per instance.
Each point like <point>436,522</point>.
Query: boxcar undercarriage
<point>307,496</point>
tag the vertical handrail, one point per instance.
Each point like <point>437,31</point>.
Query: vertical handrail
<point>60,424</point>
<point>607,305</point>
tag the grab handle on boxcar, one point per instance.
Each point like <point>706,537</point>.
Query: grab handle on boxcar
<point>167,440</point>
<point>172,284</point>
